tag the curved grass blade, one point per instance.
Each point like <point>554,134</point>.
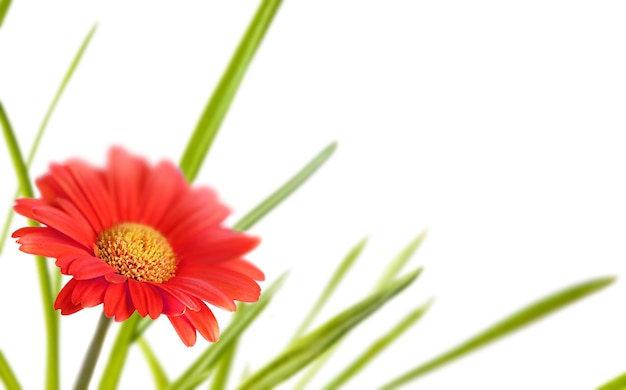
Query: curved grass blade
<point>113,370</point>
<point>396,265</point>
<point>16,154</point>
<point>340,272</point>
<point>158,373</point>
<point>217,107</point>
<point>377,347</point>
<point>44,124</point>
<point>388,275</point>
<point>4,8</point>
<point>519,319</point>
<point>201,369</point>
<point>617,383</point>
<point>50,315</point>
<point>7,376</point>
<point>306,349</point>
<point>285,190</point>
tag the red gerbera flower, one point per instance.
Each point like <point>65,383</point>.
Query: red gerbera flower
<point>138,237</point>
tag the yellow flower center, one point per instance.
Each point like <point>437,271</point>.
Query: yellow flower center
<point>137,251</point>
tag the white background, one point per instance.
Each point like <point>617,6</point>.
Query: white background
<point>498,126</point>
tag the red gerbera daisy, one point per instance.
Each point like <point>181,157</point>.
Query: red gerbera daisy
<point>138,237</point>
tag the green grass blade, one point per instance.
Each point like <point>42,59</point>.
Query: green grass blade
<point>396,265</point>
<point>158,373</point>
<point>16,154</point>
<point>390,273</point>
<point>617,383</point>
<point>44,124</point>
<point>519,319</point>
<point>4,8</point>
<point>285,190</point>
<point>7,376</point>
<point>119,352</point>
<point>217,107</point>
<point>377,347</point>
<point>47,300</point>
<point>334,281</point>
<point>201,369</point>
<point>222,372</point>
<point>305,350</point>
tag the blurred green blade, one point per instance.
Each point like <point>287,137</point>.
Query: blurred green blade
<point>4,8</point>
<point>217,107</point>
<point>7,376</point>
<point>389,274</point>
<point>200,370</point>
<point>377,347</point>
<point>285,190</point>
<point>334,281</point>
<point>158,373</point>
<point>521,318</point>
<point>304,351</point>
<point>617,383</point>
<point>50,315</point>
<point>16,154</point>
<point>394,268</point>
<point>44,124</point>
<point>113,370</point>
<point>222,372</point>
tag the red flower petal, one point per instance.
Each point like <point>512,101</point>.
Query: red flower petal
<point>64,299</point>
<point>204,321</point>
<point>146,298</point>
<point>184,328</point>
<point>125,178</point>
<point>89,293</point>
<point>203,290</point>
<point>117,302</point>
<point>161,189</point>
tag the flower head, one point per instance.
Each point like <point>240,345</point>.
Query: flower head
<point>136,237</point>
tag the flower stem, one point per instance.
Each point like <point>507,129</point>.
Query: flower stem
<point>91,358</point>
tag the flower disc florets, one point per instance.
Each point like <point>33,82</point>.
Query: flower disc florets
<point>138,252</point>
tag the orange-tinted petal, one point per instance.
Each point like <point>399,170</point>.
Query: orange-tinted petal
<point>117,302</point>
<point>203,290</point>
<point>204,321</point>
<point>146,298</point>
<point>184,328</point>
<point>64,299</point>
<point>89,293</point>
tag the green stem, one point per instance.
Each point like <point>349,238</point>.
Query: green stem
<point>119,352</point>
<point>50,316</point>
<point>91,358</point>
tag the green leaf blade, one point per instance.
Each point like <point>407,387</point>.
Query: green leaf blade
<point>219,103</point>
<point>7,375</point>
<point>158,373</point>
<point>44,124</point>
<point>377,347</point>
<point>305,350</point>
<point>517,320</point>
<point>285,190</point>
<point>4,9</point>
<point>617,383</point>
<point>334,281</point>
